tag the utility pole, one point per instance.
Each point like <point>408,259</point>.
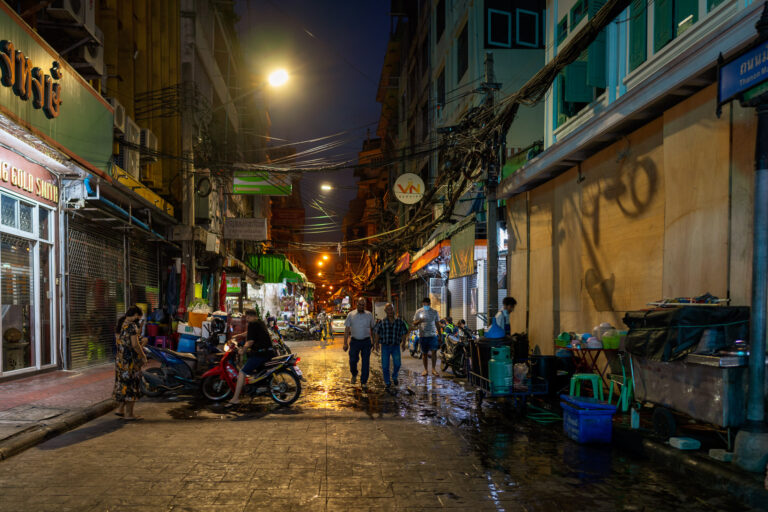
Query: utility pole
<point>492,178</point>
<point>187,143</point>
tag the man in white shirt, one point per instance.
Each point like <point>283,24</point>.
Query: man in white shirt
<point>359,326</point>
<point>427,320</point>
<point>321,321</point>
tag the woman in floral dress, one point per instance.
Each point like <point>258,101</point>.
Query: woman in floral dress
<point>128,362</point>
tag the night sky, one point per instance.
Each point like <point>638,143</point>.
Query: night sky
<point>334,78</point>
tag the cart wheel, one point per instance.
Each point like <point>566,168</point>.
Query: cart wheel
<point>664,422</point>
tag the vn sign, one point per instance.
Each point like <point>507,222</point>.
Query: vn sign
<point>30,82</point>
<point>409,188</point>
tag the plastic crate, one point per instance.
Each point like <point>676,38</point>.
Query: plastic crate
<point>187,343</point>
<point>587,420</point>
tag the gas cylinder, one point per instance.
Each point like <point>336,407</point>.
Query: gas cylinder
<point>500,371</point>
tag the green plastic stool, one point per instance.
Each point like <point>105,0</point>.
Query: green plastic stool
<point>597,385</point>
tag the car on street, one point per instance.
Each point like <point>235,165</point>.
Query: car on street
<point>337,323</point>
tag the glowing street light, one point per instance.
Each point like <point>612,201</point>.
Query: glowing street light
<point>325,256</point>
<point>320,263</point>
<point>326,187</point>
<point>320,274</point>
<point>278,77</point>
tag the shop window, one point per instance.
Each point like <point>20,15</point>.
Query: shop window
<point>499,28</point>
<point>562,30</point>
<point>8,211</point>
<point>462,54</point>
<point>578,11</point>
<point>17,323</point>
<point>638,33</point>
<point>43,223</point>
<point>26,214</point>
<point>671,18</point>
<point>527,28</point>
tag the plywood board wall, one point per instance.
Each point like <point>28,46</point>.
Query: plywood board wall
<point>540,322</point>
<point>696,177</point>
<point>517,262</point>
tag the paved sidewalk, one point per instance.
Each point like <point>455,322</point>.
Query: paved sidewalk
<point>34,402</point>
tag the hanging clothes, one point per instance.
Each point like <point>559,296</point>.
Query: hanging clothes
<point>210,289</point>
<point>223,292</point>
<point>182,309</point>
<point>205,287</point>
<point>172,292</point>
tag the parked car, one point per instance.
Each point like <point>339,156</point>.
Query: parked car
<point>337,323</point>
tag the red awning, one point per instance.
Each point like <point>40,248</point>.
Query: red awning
<point>423,260</point>
<point>403,263</point>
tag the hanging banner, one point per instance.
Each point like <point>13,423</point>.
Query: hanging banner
<point>262,183</point>
<point>233,284</point>
<point>462,261</point>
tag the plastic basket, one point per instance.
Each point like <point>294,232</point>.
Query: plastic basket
<point>187,343</point>
<point>611,342</point>
<point>587,420</point>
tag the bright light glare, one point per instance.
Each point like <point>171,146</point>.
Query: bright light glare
<point>325,256</point>
<point>331,287</point>
<point>278,78</point>
<point>320,263</point>
<point>326,186</point>
<point>320,274</point>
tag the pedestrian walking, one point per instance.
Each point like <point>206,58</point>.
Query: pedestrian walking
<point>390,333</point>
<point>322,321</point>
<point>358,327</point>
<point>129,359</point>
<point>502,317</point>
<point>427,320</point>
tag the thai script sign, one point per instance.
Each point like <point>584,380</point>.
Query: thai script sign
<point>30,82</point>
<point>742,73</point>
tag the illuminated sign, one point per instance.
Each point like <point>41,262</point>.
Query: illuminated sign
<point>30,82</point>
<point>409,188</point>
<point>30,180</point>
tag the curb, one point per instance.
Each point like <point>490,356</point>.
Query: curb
<point>748,487</point>
<point>65,423</point>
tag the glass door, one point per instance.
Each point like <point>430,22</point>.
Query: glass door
<point>17,311</point>
<point>46,309</point>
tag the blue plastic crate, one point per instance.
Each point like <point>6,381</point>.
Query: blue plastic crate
<point>187,343</point>
<point>587,420</point>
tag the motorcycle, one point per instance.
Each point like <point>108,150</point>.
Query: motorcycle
<point>453,353</point>
<point>414,347</point>
<point>280,378</point>
<point>316,332</point>
<point>181,370</point>
<point>277,342</point>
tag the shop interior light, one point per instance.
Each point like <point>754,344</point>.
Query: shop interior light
<point>325,256</point>
<point>320,263</point>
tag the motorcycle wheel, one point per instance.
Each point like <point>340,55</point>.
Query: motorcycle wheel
<point>444,363</point>
<point>284,387</point>
<point>286,349</point>
<point>148,389</point>
<point>459,368</point>
<point>215,388</point>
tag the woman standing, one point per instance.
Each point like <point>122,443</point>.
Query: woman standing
<point>128,362</point>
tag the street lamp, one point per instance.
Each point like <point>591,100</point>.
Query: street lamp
<point>319,274</point>
<point>278,77</point>
<point>325,256</point>
<point>320,263</point>
<point>326,187</point>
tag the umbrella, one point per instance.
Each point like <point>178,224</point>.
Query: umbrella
<point>183,290</point>
<point>223,292</point>
<point>172,296</point>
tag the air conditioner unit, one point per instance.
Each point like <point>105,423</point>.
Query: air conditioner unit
<point>67,10</point>
<point>128,158</point>
<point>119,124</point>
<point>149,146</point>
<point>88,60</point>
<point>89,20</point>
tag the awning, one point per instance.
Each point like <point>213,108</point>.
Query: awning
<point>403,262</point>
<point>290,276</point>
<point>462,262</point>
<point>427,256</point>
<point>270,266</point>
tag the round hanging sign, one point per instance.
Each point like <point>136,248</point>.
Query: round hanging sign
<point>409,188</point>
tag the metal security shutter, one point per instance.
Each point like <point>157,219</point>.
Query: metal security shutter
<point>502,280</point>
<point>96,291</point>
<point>470,284</point>
<point>144,277</point>
<point>410,301</point>
<point>456,288</point>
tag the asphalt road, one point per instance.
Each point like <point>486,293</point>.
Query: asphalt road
<point>427,446</point>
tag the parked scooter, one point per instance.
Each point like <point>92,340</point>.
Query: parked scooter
<point>280,378</point>
<point>453,353</point>
<point>414,347</point>
<point>181,370</point>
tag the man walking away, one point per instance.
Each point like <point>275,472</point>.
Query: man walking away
<point>390,333</point>
<point>427,320</point>
<point>358,326</point>
<point>502,317</point>
<point>323,324</point>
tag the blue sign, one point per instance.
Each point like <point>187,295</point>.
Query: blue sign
<point>743,73</point>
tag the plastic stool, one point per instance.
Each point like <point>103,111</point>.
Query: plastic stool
<point>161,341</point>
<point>597,385</point>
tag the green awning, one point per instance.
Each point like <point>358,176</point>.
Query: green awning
<point>290,276</point>
<point>268,265</point>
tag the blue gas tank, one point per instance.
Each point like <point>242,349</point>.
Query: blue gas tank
<point>500,371</point>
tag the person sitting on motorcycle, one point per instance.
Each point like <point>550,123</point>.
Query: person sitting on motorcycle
<point>258,349</point>
<point>461,326</point>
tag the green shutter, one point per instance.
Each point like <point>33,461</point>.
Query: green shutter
<point>562,29</point>
<point>577,12</point>
<point>596,52</point>
<point>684,9</point>
<point>576,88</point>
<point>663,23</point>
<point>711,4</point>
<point>638,33</point>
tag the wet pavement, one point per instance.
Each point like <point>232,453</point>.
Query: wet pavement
<point>429,445</point>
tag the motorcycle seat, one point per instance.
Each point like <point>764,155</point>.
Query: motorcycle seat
<point>182,355</point>
<point>277,360</point>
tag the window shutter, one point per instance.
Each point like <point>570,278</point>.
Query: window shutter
<point>638,33</point>
<point>683,9</point>
<point>576,88</point>
<point>596,52</point>
<point>663,23</point>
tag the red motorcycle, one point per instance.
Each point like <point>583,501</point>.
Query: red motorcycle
<point>280,378</point>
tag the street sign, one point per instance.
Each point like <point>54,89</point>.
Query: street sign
<point>742,73</point>
<point>409,188</point>
<point>261,183</point>
<point>245,229</point>
<point>287,216</point>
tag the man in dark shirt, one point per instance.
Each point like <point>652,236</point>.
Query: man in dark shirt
<point>258,349</point>
<point>390,334</point>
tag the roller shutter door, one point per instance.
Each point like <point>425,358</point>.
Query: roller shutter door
<point>502,281</point>
<point>471,284</point>
<point>96,291</point>
<point>144,277</point>
<point>456,289</point>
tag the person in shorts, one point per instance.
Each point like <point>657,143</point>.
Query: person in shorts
<point>427,320</point>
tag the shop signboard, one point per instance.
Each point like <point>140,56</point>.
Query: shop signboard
<point>45,95</point>
<point>28,179</point>
<point>409,188</point>
<point>262,183</point>
<point>742,73</point>
<point>287,216</point>
<point>254,229</point>
<point>233,284</point>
